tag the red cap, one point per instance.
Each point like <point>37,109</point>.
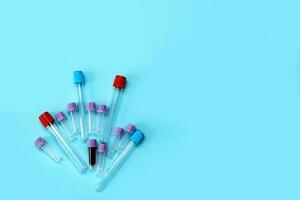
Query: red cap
<point>46,119</point>
<point>120,82</point>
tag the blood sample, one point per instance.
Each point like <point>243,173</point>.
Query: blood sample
<point>62,121</point>
<point>79,81</point>
<point>91,108</point>
<point>72,110</point>
<point>119,86</point>
<point>102,114</point>
<point>135,139</point>
<point>129,130</point>
<point>115,139</point>
<point>101,158</point>
<point>92,148</point>
<point>49,123</point>
<point>42,145</point>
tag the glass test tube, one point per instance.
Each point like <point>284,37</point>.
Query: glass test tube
<point>49,123</point>
<point>129,130</point>
<point>102,113</point>
<point>79,81</point>
<point>135,139</point>
<point>92,149</point>
<point>63,123</point>
<point>115,140</point>
<point>42,145</point>
<point>119,85</point>
<point>91,109</point>
<point>101,158</point>
<point>72,110</point>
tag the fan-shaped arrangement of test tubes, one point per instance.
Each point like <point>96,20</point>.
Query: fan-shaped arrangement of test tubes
<point>107,146</point>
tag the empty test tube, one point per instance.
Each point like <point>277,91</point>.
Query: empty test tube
<point>63,123</point>
<point>115,140</point>
<point>42,145</point>
<point>79,81</point>
<point>136,138</point>
<point>92,148</point>
<point>102,113</point>
<point>102,148</point>
<point>129,130</point>
<point>72,110</point>
<point>48,122</point>
<point>119,86</point>
<point>91,109</point>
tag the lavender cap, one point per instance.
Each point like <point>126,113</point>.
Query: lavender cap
<point>72,107</point>
<point>92,143</point>
<point>102,147</point>
<point>39,142</point>
<point>91,106</point>
<point>130,128</point>
<point>102,108</point>
<point>60,116</point>
<point>118,131</point>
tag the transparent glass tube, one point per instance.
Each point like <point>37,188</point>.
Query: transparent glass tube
<point>91,124</point>
<point>101,163</point>
<point>65,127</point>
<point>73,120</point>
<point>51,153</point>
<point>123,142</point>
<point>75,158</point>
<point>111,114</point>
<point>114,144</point>
<point>81,111</point>
<point>110,172</point>
<point>100,124</point>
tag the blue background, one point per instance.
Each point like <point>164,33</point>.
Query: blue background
<point>214,85</point>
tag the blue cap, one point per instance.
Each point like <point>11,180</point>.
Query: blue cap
<point>78,77</point>
<point>137,137</point>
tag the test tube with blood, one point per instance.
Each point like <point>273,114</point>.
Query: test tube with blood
<point>92,148</point>
<point>42,145</point>
<point>63,123</point>
<point>48,122</point>
<point>119,86</point>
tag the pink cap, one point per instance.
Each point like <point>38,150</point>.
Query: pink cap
<point>72,107</point>
<point>130,128</point>
<point>91,106</point>
<point>118,131</point>
<point>102,108</point>
<point>92,143</point>
<point>39,142</point>
<point>102,147</point>
<point>60,116</point>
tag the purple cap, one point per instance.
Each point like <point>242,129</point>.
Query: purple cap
<point>92,143</point>
<point>39,142</point>
<point>72,107</point>
<point>118,131</point>
<point>102,147</point>
<point>102,108</point>
<point>130,128</point>
<point>60,116</point>
<point>91,106</point>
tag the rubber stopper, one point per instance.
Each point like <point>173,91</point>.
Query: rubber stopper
<point>118,131</point>
<point>39,142</point>
<point>46,119</point>
<point>72,107</point>
<point>137,137</point>
<point>120,82</point>
<point>130,128</point>
<point>102,148</point>
<point>60,116</point>
<point>102,108</point>
<point>91,106</point>
<point>78,77</point>
<point>92,143</point>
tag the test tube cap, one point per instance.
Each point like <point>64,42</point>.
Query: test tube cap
<point>39,142</point>
<point>102,108</point>
<point>60,116</point>
<point>137,137</point>
<point>46,119</point>
<point>120,82</point>
<point>92,143</point>
<point>91,106</point>
<point>130,128</point>
<point>72,107</point>
<point>118,131</point>
<point>102,147</point>
<point>78,77</point>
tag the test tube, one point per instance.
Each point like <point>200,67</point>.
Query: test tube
<point>92,148</point>
<point>115,139</point>
<point>91,108</point>
<point>62,121</point>
<point>119,86</point>
<point>72,110</point>
<point>42,145</point>
<point>136,138</point>
<point>101,158</point>
<point>102,113</point>
<point>79,81</point>
<point>49,123</point>
<point>129,130</point>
